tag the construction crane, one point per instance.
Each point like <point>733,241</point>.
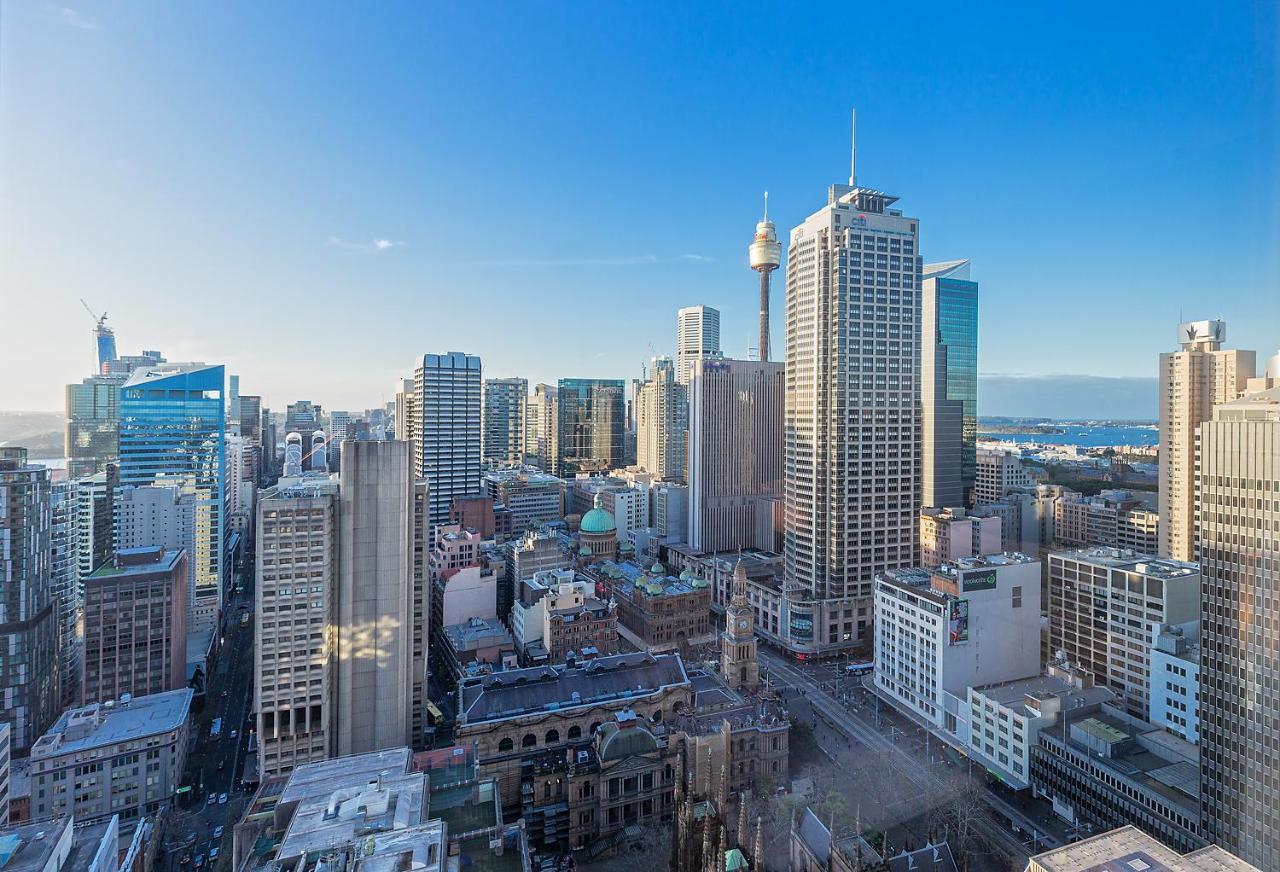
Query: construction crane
<point>101,319</point>
<point>104,338</point>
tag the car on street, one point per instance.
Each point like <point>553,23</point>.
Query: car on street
<point>222,799</point>
<point>235,734</point>
<point>199,860</point>
<point>218,831</point>
<point>213,853</point>
<point>186,858</point>
<point>213,797</point>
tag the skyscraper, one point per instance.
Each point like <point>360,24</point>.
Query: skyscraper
<point>542,428</point>
<point>852,468</point>
<point>505,400</point>
<point>697,338</point>
<point>735,453</point>
<point>1238,530</point>
<point>172,431</point>
<point>662,422</point>
<point>297,535</point>
<point>383,596</point>
<point>1194,379</point>
<point>590,420</point>
<point>64,584</point>
<point>448,412</point>
<point>93,424</point>
<point>948,384</point>
<point>29,671</point>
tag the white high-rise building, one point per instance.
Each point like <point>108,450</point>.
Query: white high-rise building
<point>697,338</point>
<point>662,422</point>
<point>1193,379</point>
<point>505,402</point>
<point>447,430</point>
<point>852,455</point>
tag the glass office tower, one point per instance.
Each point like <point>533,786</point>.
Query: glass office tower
<point>591,422</point>
<point>949,383</point>
<point>172,426</point>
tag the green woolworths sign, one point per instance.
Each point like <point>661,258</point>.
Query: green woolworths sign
<point>980,581</point>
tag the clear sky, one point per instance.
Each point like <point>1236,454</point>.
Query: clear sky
<point>317,194</point>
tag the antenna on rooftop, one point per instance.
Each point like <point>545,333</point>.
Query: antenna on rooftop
<point>853,152</point>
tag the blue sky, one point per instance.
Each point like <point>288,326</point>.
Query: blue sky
<point>317,194</point>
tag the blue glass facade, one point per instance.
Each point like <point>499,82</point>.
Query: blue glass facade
<point>172,426</point>
<point>958,331</point>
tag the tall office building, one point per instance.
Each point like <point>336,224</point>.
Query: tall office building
<point>736,410</point>
<point>1194,379</point>
<point>302,417</point>
<point>339,424</point>
<point>251,418</point>
<point>505,400</point>
<point>135,625</point>
<point>92,433</point>
<point>157,515</point>
<point>95,525</point>
<point>590,424</point>
<point>662,422</point>
<point>64,584</point>
<point>446,429</point>
<point>1102,604</point>
<point>172,431</point>
<point>948,384</point>
<point>29,696</point>
<point>541,433</point>
<point>297,565</point>
<point>1239,542</point>
<point>697,338</point>
<point>852,468</point>
<point>383,595</point>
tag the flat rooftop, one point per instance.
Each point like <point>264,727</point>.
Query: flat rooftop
<point>139,563</point>
<point>325,776</point>
<point>1171,770</point>
<point>335,818</point>
<point>1012,694</point>
<point>520,692</point>
<point>1133,561</point>
<point>99,724</point>
<point>1129,849</point>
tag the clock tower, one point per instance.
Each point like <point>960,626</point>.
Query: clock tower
<point>738,665</point>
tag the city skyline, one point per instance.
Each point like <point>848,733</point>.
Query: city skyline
<point>295,207</point>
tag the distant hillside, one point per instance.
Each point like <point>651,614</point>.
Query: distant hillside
<point>38,432</point>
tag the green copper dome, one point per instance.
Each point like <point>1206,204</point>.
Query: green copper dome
<point>597,520</point>
<point>657,569</point>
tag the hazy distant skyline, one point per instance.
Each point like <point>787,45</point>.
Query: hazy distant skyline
<point>315,197</point>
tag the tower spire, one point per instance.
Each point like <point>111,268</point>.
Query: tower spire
<point>853,152</point>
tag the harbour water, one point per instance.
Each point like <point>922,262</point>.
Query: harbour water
<point>1086,436</point>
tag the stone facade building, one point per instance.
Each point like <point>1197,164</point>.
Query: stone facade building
<point>657,610</point>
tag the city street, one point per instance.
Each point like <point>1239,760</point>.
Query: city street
<point>214,763</point>
<point>905,763</point>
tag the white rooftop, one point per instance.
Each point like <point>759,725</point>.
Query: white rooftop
<point>100,724</point>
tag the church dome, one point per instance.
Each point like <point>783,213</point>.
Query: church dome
<point>617,742</point>
<point>597,520</point>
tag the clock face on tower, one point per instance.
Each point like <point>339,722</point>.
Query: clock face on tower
<point>743,623</point>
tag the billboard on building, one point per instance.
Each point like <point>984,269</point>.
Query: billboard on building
<point>979,581</point>
<point>957,621</point>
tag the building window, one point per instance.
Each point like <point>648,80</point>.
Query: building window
<point>506,745</point>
